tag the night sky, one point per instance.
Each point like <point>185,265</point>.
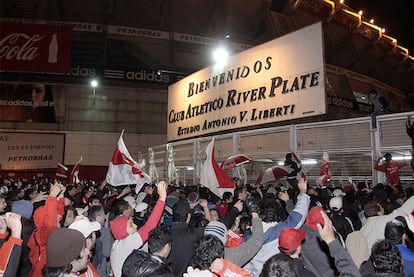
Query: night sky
<point>396,16</point>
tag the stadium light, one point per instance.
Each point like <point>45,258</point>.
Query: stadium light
<point>220,56</point>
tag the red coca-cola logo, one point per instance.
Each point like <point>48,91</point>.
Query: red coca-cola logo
<point>35,47</point>
<point>20,47</point>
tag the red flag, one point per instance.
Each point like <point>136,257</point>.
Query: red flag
<point>213,176</point>
<point>299,162</point>
<point>74,175</point>
<point>325,172</point>
<point>123,170</point>
<point>273,173</point>
<point>61,171</point>
<point>234,161</point>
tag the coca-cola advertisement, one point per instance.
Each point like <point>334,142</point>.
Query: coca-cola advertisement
<point>32,102</point>
<point>35,47</point>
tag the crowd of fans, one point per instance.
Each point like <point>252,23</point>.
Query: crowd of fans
<point>48,228</point>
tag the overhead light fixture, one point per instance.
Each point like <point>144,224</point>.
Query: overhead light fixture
<point>402,158</point>
<point>305,162</point>
<point>220,56</point>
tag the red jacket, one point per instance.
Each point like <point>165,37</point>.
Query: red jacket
<point>232,270</point>
<point>222,208</point>
<point>10,253</point>
<point>392,170</point>
<point>45,219</point>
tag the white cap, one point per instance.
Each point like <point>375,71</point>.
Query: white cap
<point>85,226</point>
<point>141,206</point>
<point>338,192</point>
<point>130,200</point>
<point>335,203</point>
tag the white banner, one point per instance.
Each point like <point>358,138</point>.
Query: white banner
<point>280,80</point>
<point>19,151</point>
<point>76,26</point>
<point>137,32</point>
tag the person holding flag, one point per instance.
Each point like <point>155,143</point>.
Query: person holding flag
<point>74,175</point>
<point>128,237</point>
<point>324,193</point>
<point>213,176</point>
<point>325,169</point>
<point>291,177</point>
<point>124,170</point>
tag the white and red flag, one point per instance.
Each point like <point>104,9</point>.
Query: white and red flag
<point>123,170</point>
<point>74,175</point>
<point>303,171</point>
<point>273,173</point>
<point>325,169</point>
<point>213,176</point>
<point>234,161</point>
<point>61,171</point>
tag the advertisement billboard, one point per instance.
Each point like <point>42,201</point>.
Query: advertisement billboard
<point>20,151</point>
<point>35,47</point>
<point>31,102</point>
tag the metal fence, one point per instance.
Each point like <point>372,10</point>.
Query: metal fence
<point>352,145</point>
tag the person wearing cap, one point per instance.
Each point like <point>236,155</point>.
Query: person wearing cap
<point>140,215</point>
<point>10,246</point>
<point>343,225</point>
<point>385,260</point>
<point>396,234</point>
<point>25,209</point>
<point>273,229</point>
<point>131,201</point>
<point>66,252</point>
<point>88,229</point>
<point>128,237</point>
<point>104,241</point>
<point>318,256</point>
<point>290,243</point>
<point>46,219</point>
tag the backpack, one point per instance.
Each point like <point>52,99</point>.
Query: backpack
<point>343,225</point>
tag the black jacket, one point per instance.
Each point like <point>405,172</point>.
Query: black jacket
<point>182,246</point>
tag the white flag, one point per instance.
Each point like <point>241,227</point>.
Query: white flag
<point>123,170</point>
<point>213,176</point>
<point>74,175</point>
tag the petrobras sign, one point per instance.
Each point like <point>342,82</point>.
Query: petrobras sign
<point>31,150</point>
<point>280,80</point>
